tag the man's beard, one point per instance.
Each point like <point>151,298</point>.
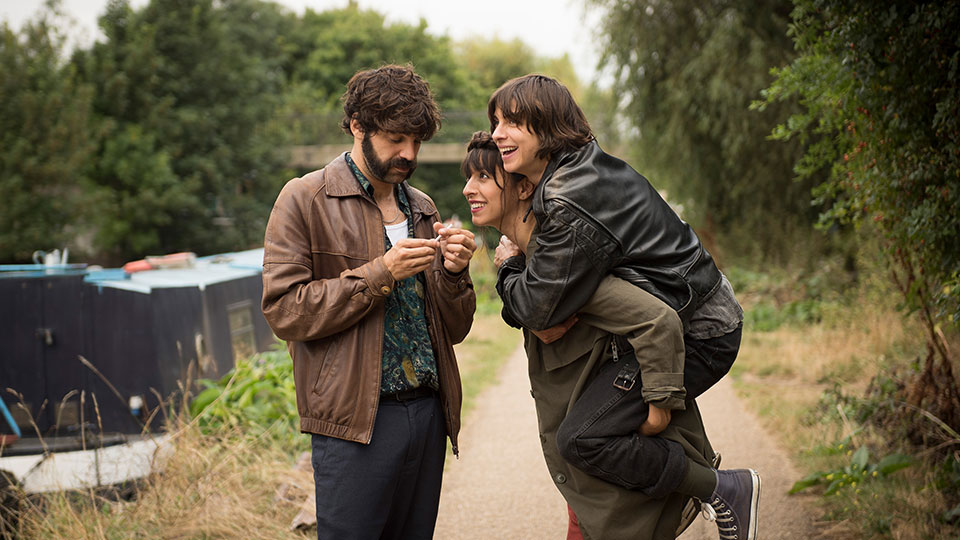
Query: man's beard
<point>381,170</point>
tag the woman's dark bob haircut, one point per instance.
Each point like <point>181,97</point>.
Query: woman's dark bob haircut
<point>546,108</point>
<point>390,98</point>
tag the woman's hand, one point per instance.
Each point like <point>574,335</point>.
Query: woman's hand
<point>554,333</point>
<point>657,421</point>
<point>505,249</point>
<point>456,245</point>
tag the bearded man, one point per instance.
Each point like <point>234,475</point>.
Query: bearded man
<point>371,292</point>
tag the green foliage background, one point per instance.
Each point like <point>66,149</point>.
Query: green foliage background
<point>170,134</point>
<point>45,141</point>
<point>686,72</point>
<point>257,395</point>
<point>880,84</point>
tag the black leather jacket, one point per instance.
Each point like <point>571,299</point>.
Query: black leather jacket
<point>598,216</point>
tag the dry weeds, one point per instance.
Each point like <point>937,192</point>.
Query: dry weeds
<point>783,375</point>
<point>220,486</point>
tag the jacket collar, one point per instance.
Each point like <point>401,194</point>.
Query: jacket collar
<point>341,183</point>
<point>571,155</point>
<point>592,148</point>
<point>339,179</point>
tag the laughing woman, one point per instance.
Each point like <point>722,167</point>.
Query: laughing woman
<point>663,472</point>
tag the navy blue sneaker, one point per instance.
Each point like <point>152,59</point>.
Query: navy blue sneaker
<point>733,504</point>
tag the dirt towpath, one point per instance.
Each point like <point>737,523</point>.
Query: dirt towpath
<point>500,488</point>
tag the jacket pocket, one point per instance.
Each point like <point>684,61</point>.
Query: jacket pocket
<point>331,265</point>
<point>578,342</point>
<point>322,358</point>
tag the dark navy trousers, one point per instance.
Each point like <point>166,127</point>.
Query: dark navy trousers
<point>388,489</point>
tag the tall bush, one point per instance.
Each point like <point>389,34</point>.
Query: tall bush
<point>880,85</point>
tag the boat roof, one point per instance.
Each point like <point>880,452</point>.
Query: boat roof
<point>205,271</point>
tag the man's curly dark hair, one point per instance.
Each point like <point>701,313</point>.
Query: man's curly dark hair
<point>391,98</point>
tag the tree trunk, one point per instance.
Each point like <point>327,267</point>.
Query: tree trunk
<point>935,389</point>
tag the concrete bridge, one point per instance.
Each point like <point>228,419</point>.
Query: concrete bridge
<point>323,129</point>
<point>318,155</point>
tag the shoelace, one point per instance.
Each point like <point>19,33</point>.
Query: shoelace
<point>708,512</point>
<point>723,517</point>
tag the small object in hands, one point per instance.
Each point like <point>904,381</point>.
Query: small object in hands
<point>452,223</point>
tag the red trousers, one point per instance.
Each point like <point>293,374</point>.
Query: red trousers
<point>573,526</point>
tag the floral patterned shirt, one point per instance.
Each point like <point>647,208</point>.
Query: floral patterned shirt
<point>408,360</point>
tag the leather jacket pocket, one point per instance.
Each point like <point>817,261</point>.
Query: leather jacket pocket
<point>331,265</point>
<point>321,358</point>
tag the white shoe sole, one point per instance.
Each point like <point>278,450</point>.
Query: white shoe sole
<point>754,504</point>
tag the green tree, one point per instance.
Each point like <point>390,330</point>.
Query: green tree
<point>328,47</point>
<point>687,71</point>
<point>185,92</point>
<point>491,62</point>
<point>880,83</point>
<point>494,61</point>
<point>44,141</point>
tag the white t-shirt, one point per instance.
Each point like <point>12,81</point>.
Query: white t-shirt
<point>396,231</point>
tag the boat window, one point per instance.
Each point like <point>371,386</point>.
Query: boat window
<point>241,329</point>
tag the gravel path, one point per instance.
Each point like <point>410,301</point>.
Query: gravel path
<point>500,489</point>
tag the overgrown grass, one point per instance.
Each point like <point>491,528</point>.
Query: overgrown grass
<point>213,485</point>
<point>257,395</point>
<point>230,470</point>
<point>482,354</point>
<point>484,275</point>
<point>823,369</point>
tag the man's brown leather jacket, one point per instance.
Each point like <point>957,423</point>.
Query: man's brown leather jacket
<point>324,290</point>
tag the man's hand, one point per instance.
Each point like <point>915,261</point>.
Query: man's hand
<point>410,256</point>
<point>657,421</point>
<point>556,332</point>
<point>505,249</point>
<point>456,245</point>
